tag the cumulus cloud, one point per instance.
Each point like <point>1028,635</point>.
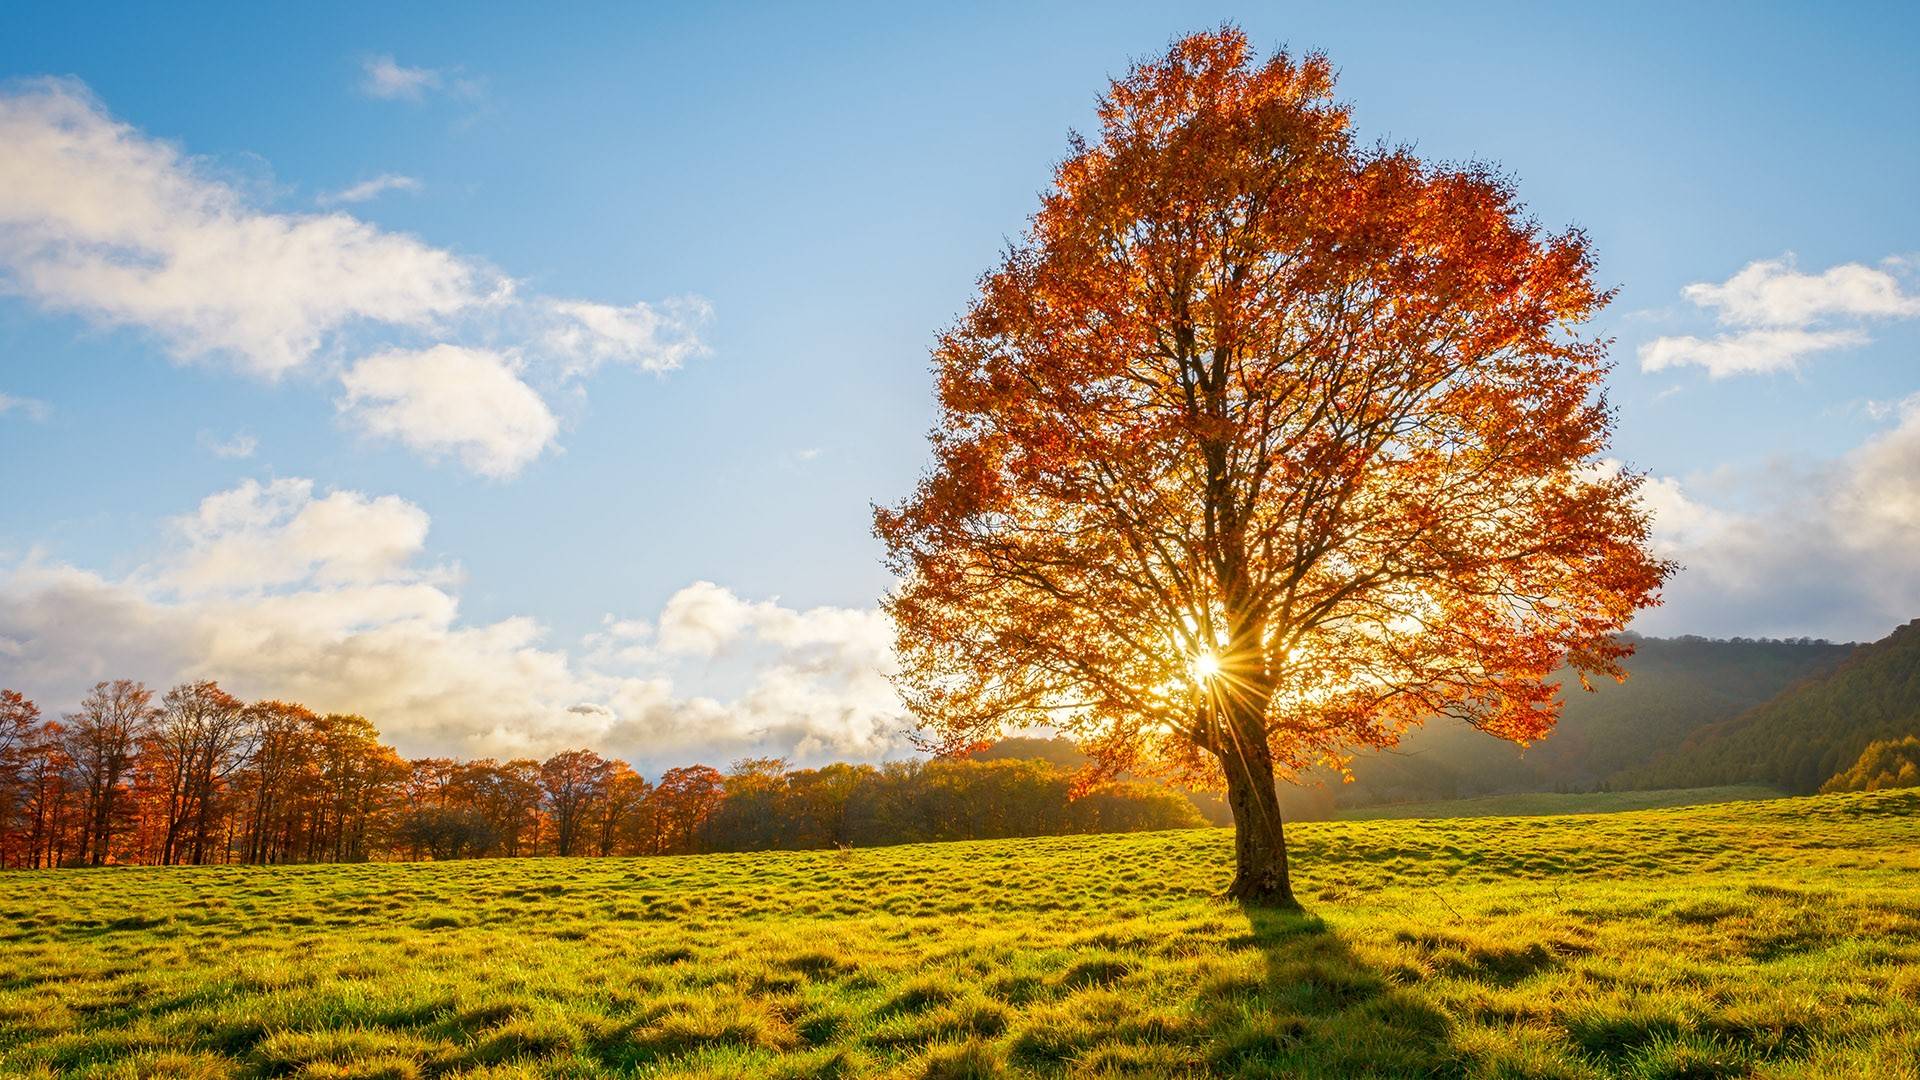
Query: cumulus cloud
<point>98,219</point>
<point>704,618</point>
<point>1778,316</point>
<point>1772,292</point>
<point>450,400</point>
<point>366,190</point>
<point>259,535</point>
<point>329,599</point>
<point>1822,549</point>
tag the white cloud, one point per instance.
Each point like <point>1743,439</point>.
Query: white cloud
<point>652,337</point>
<point>1745,353</point>
<point>241,445</point>
<point>258,535</point>
<point>469,403</point>
<point>31,408</point>
<point>1772,293</point>
<point>102,221</point>
<point>99,220</point>
<point>1880,502</point>
<point>1823,549</point>
<point>1777,313</point>
<point>382,78</point>
<point>370,189</point>
<point>324,599</point>
<point>704,618</point>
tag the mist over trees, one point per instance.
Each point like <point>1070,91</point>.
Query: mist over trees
<point>196,776</point>
<point>1813,730</point>
<point>1679,687</point>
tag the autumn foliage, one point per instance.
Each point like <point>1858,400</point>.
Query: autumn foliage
<point>197,776</point>
<point>1261,446</point>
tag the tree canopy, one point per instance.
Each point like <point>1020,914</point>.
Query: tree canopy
<point>1263,445</point>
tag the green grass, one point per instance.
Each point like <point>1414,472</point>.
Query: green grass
<point>1776,938</point>
<point>1592,802</point>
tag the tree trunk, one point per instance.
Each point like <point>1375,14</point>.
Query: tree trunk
<point>1259,838</point>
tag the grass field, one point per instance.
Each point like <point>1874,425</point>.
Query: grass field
<point>1591,802</point>
<point>1775,938</point>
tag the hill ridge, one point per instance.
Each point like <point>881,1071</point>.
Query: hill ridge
<point>1809,731</point>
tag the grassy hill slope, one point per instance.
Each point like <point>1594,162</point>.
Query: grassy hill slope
<point>1777,938</point>
<point>1801,738</point>
<point>1530,804</point>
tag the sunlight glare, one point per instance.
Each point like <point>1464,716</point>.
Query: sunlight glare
<point>1205,666</point>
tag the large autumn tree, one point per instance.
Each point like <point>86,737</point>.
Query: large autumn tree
<point>1261,446</point>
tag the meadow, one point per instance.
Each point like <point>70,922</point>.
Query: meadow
<point>1774,938</point>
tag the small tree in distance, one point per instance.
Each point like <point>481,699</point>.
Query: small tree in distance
<point>1263,446</point>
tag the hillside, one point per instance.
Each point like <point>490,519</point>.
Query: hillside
<point>1767,939</point>
<point>1676,686</point>
<point>1815,729</point>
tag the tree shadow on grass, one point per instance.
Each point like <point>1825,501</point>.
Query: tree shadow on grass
<point>1317,1010</point>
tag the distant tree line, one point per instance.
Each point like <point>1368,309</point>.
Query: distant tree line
<point>196,776</point>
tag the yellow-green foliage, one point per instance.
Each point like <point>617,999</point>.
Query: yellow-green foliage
<point>1777,938</point>
<point>1889,763</point>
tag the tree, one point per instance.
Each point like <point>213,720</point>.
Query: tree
<point>101,740</point>
<point>44,782</point>
<point>1133,806</point>
<point>282,736</point>
<point>431,781</point>
<point>19,740</point>
<point>1886,763</point>
<point>574,781</point>
<point>818,801</point>
<point>444,833</point>
<point>683,802</point>
<point>197,740</point>
<point>750,816</point>
<point>1262,446</point>
<point>359,778</point>
<point>622,793</point>
<point>516,788</point>
<point>19,719</point>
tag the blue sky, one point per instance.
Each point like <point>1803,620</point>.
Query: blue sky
<point>825,185</point>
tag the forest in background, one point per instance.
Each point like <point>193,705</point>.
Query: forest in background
<point>1696,712</point>
<point>196,775</point>
<point>1803,737</point>
<point>1608,738</point>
